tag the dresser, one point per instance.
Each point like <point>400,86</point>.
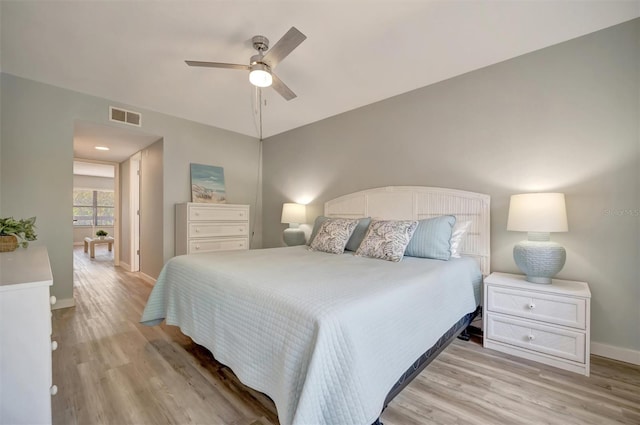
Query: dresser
<point>546,323</point>
<point>25,337</point>
<point>211,227</point>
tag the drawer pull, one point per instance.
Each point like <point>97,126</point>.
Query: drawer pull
<point>54,389</point>
<point>197,230</point>
<point>532,306</point>
<point>197,214</point>
<point>197,246</point>
<point>52,299</point>
<point>531,337</point>
<point>54,345</point>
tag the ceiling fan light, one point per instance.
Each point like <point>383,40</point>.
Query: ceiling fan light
<point>260,76</point>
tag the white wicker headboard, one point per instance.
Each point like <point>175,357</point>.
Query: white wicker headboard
<point>417,202</point>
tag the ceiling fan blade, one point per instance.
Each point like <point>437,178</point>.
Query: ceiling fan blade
<point>283,47</point>
<point>218,65</point>
<point>282,88</point>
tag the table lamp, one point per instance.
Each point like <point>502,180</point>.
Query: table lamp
<point>539,214</point>
<point>294,215</point>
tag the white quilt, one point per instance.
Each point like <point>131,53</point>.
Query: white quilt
<point>325,336</point>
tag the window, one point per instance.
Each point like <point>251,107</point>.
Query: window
<point>93,208</point>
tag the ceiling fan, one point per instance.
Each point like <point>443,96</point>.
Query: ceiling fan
<point>261,65</point>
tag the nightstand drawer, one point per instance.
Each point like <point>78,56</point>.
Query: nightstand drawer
<point>557,342</point>
<point>206,213</point>
<point>211,245</point>
<point>565,311</point>
<point>203,230</point>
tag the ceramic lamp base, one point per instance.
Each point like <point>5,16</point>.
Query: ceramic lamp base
<point>539,258</point>
<point>293,236</point>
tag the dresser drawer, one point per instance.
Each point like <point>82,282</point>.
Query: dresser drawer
<point>203,230</point>
<point>211,245</point>
<point>208,213</point>
<point>565,311</point>
<point>558,342</point>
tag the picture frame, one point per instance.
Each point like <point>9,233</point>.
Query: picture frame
<point>207,184</point>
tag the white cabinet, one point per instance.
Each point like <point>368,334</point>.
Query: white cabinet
<point>211,227</point>
<point>546,323</point>
<point>25,337</point>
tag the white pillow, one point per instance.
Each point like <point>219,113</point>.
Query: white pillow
<point>460,228</point>
<point>333,235</point>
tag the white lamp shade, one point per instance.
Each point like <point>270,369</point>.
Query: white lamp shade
<point>294,213</point>
<point>537,212</point>
<point>260,77</point>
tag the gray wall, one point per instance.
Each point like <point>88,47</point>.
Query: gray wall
<point>560,119</point>
<point>151,211</point>
<point>37,162</point>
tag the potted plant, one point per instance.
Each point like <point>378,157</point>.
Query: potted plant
<point>101,234</point>
<point>11,230</point>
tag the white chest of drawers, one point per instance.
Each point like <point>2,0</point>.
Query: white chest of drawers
<point>211,227</point>
<point>25,337</point>
<point>546,323</point>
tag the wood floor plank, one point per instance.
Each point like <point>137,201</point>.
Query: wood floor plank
<point>110,369</point>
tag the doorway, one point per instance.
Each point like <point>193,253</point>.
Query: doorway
<point>118,148</point>
<point>95,209</point>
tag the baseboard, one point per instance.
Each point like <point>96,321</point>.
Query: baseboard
<point>63,303</point>
<point>78,243</point>
<point>617,353</point>
<point>147,278</point>
<point>125,266</point>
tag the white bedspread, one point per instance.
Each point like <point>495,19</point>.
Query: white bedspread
<point>325,336</point>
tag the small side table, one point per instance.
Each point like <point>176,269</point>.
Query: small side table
<point>90,244</point>
<point>547,323</point>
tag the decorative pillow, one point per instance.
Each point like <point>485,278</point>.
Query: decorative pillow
<point>316,227</point>
<point>358,234</point>
<point>459,230</point>
<point>432,238</point>
<point>387,239</point>
<point>333,235</point>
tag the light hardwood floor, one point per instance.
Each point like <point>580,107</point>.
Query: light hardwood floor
<point>111,370</point>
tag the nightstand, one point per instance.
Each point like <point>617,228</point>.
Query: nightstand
<point>549,324</point>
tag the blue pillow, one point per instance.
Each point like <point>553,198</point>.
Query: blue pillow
<point>358,234</point>
<point>316,227</point>
<point>432,238</point>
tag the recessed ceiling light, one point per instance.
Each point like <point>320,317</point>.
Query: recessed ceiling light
<point>102,148</point>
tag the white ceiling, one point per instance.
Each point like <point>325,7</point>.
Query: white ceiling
<point>122,142</point>
<point>357,52</point>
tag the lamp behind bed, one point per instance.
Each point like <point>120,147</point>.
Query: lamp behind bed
<point>293,214</point>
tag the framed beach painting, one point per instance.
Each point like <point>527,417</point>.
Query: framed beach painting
<point>207,184</point>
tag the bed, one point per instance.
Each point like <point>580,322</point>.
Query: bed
<point>331,338</point>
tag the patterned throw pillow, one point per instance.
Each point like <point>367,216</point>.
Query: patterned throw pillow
<point>316,228</point>
<point>387,239</point>
<point>333,235</point>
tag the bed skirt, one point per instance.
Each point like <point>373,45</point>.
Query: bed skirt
<point>428,356</point>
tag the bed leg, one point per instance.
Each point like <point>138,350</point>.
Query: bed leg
<point>377,422</point>
<point>464,335</point>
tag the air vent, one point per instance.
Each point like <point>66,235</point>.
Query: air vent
<point>124,116</point>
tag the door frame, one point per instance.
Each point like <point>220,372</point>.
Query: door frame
<point>134,211</point>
